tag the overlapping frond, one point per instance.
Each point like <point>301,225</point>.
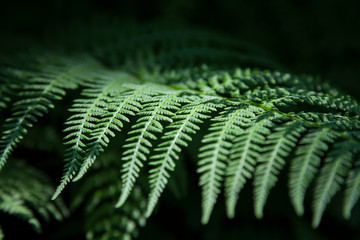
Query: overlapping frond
<point>25,192</point>
<point>156,110</point>
<point>39,88</point>
<point>186,122</point>
<point>85,122</point>
<point>305,165</point>
<point>332,175</point>
<point>97,196</point>
<point>119,106</point>
<point>5,88</point>
<point>352,192</point>
<point>279,145</point>
<point>215,152</point>
<point>242,159</point>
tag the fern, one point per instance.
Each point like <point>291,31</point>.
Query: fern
<point>279,145</point>
<point>155,110</point>
<point>127,103</point>
<point>97,196</point>
<point>88,110</point>
<point>186,121</point>
<point>336,167</point>
<point>251,122</point>
<point>352,192</point>
<point>305,164</point>
<point>212,159</point>
<point>39,89</point>
<point>25,192</point>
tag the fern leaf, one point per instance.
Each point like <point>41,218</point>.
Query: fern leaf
<point>239,165</point>
<point>83,122</point>
<point>128,103</point>
<point>96,197</point>
<point>305,165</point>
<point>25,192</point>
<point>332,174</point>
<point>157,109</point>
<point>185,122</point>
<point>352,192</point>
<point>214,154</point>
<point>38,93</point>
<point>272,160</point>
<point>5,88</point>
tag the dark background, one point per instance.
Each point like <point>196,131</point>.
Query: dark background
<point>315,37</point>
<point>318,37</point>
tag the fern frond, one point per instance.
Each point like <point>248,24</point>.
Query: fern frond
<point>214,155</point>
<point>331,176</point>
<point>163,92</point>
<point>25,192</point>
<point>5,88</point>
<point>352,192</point>
<point>157,109</point>
<point>305,165</point>
<point>97,197</point>
<point>126,103</point>
<point>186,122</point>
<point>243,154</point>
<point>279,145</point>
<point>84,121</point>
<point>43,86</point>
<point>105,223</point>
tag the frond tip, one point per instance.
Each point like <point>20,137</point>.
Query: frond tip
<point>41,85</point>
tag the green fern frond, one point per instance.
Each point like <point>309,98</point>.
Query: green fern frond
<point>241,161</point>
<point>25,192</point>
<point>157,109</point>
<point>332,174</point>
<point>214,154</point>
<point>5,88</point>
<point>186,122</point>
<point>352,192</point>
<point>305,165</point>
<point>127,103</point>
<point>97,196</point>
<point>245,152</point>
<point>83,123</point>
<point>279,145</point>
<point>40,88</point>
<point>164,92</point>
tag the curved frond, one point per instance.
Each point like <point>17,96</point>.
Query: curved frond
<point>157,109</point>
<point>272,160</point>
<point>352,192</point>
<point>214,154</point>
<point>241,159</point>
<point>84,121</point>
<point>127,103</point>
<point>186,122</point>
<point>332,174</point>
<point>40,88</point>
<point>96,196</point>
<point>305,165</point>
